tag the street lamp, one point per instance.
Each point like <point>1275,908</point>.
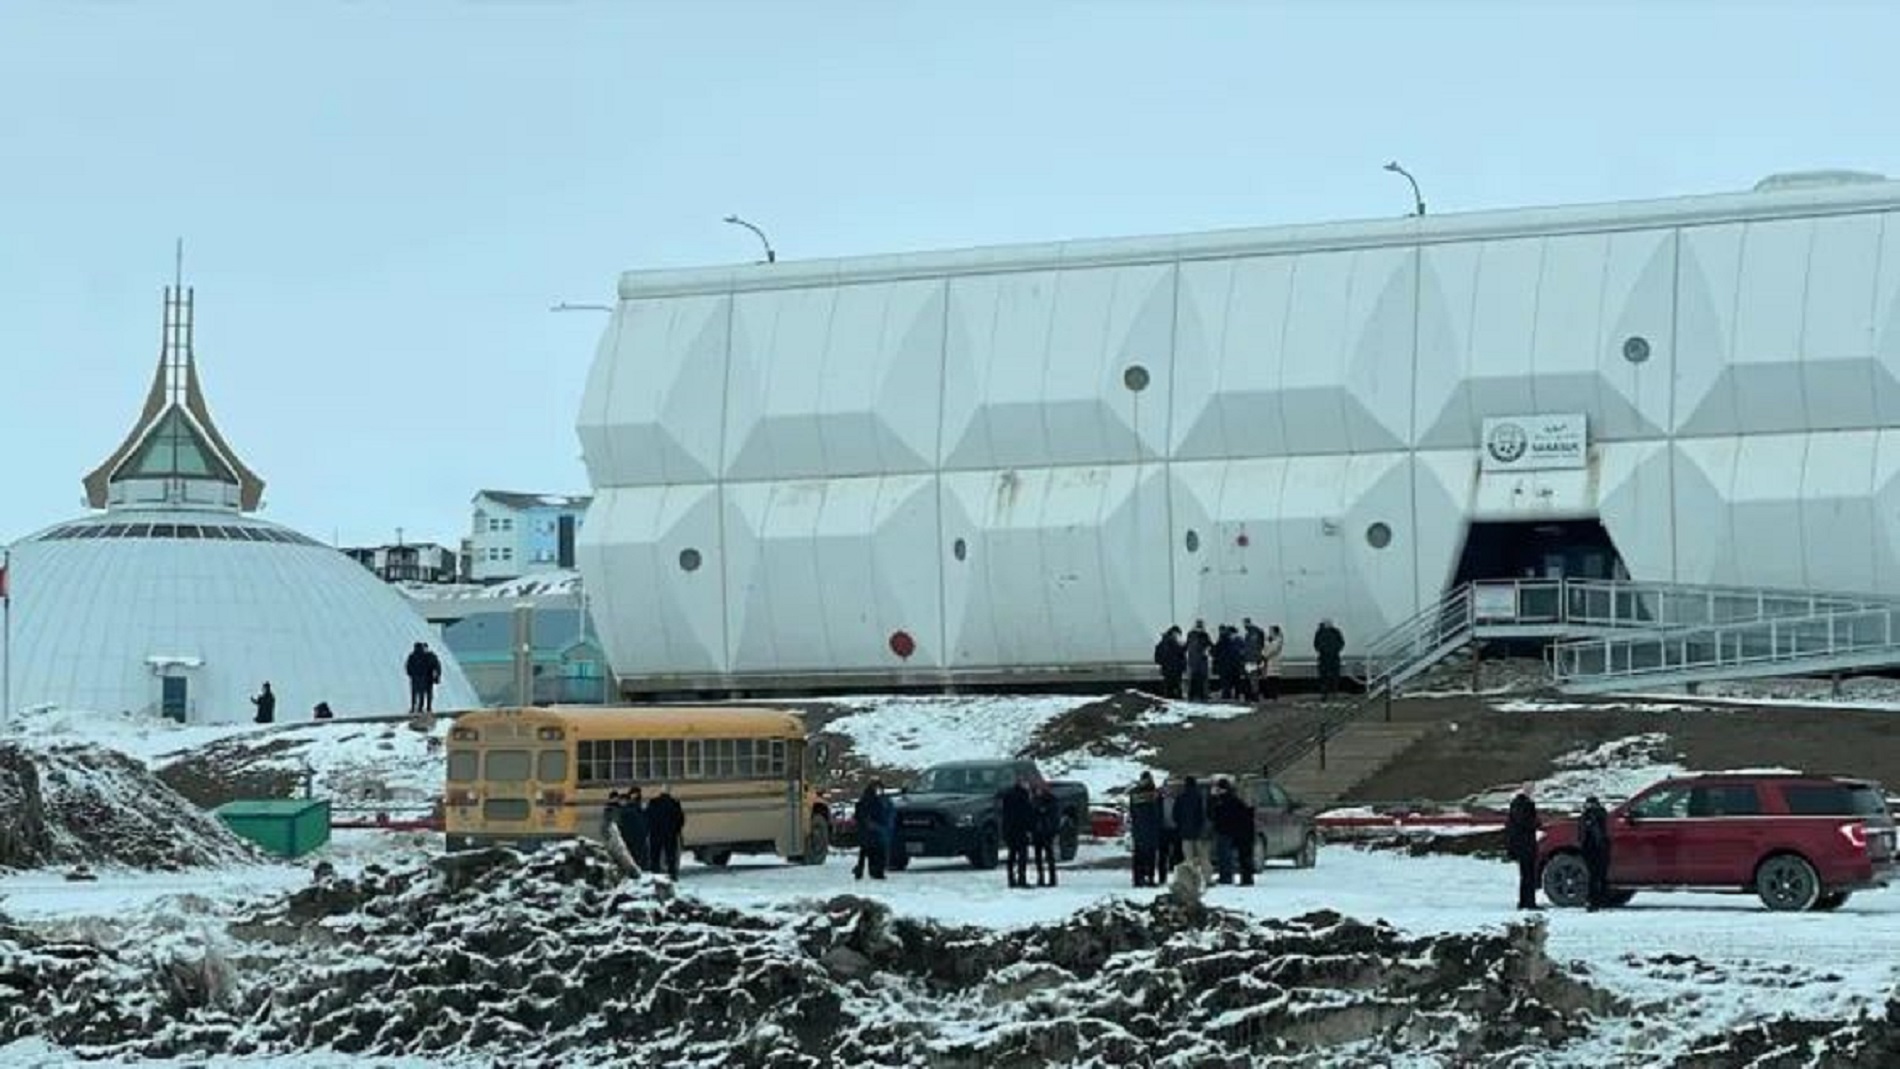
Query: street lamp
<point>1417,200</point>
<point>770,256</point>
<point>566,307</point>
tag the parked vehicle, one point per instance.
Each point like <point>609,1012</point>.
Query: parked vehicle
<point>1283,825</point>
<point>955,810</point>
<point>1800,842</point>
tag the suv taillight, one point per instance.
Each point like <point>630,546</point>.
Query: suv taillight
<point>1855,834</point>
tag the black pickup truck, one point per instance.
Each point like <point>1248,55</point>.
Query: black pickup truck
<point>956,810</point>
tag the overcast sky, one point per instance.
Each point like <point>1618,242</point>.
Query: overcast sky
<point>381,200</point>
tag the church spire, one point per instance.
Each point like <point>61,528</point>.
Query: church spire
<point>174,454</point>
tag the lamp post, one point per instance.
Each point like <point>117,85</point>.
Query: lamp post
<point>770,256</point>
<point>1418,201</point>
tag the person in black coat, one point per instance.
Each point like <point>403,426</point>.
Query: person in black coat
<point>1190,824</point>
<point>1200,650</point>
<point>1520,842</point>
<point>1048,829</point>
<point>1019,825</point>
<point>1144,828</point>
<point>266,703</point>
<point>1229,657</point>
<point>666,822</point>
<point>1171,658</point>
<point>870,815</point>
<point>1328,643</point>
<point>424,670</point>
<point>1593,838</point>
<point>631,819</point>
<point>1233,821</point>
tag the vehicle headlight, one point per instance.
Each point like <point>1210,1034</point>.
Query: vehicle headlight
<point>966,819</point>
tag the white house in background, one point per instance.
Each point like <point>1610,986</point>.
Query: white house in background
<point>513,534</point>
<point>1022,463</point>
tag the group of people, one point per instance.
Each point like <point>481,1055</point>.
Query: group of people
<point>1521,824</point>
<point>1239,663</point>
<point>1178,824</point>
<point>423,667</point>
<point>651,831</point>
<point>1031,818</point>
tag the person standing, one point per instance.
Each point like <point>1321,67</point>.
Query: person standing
<point>666,823</point>
<point>1229,662</point>
<point>266,703</point>
<point>1167,852</point>
<point>1144,827</point>
<point>424,670</point>
<point>1233,826</point>
<point>634,832</point>
<point>1328,644</point>
<point>322,712</point>
<point>1272,653</point>
<point>1254,642</point>
<point>1171,658</point>
<point>1199,650</point>
<point>1019,824</point>
<point>1190,823</point>
<point>1593,838</point>
<point>1520,842</point>
<point>872,826</point>
<point>1048,830</point>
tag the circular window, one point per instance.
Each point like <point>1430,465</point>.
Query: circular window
<point>1636,349</point>
<point>1378,536</point>
<point>1193,542</point>
<point>1135,378</point>
<point>689,560</point>
<point>960,549</point>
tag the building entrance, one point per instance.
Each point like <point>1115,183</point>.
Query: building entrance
<point>1566,549</point>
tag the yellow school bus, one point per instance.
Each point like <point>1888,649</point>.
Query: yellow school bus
<point>523,776</point>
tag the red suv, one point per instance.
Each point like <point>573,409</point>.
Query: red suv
<point>1800,842</point>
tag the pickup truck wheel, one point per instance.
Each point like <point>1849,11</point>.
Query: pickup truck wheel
<point>1831,901</point>
<point>899,859</point>
<point>718,859</point>
<point>1787,883</point>
<point>1618,898</point>
<point>1067,841</point>
<point>1567,881</point>
<point>1309,852</point>
<point>984,856</point>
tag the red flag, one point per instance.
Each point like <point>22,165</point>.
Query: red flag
<point>4,596</point>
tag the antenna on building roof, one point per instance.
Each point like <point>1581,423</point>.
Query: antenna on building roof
<point>177,339</point>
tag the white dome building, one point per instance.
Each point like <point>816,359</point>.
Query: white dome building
<point>174,600</point>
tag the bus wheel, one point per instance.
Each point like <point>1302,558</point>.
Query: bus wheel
<point>716,858</point>
<point>817,843</point>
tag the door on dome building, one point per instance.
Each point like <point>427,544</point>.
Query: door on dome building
<point>174,698</point>
<point>1547,549</point>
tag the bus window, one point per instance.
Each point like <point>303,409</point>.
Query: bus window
<point>675,758</point>
<point>742,758</point>
<point>695,762</point>
<point>725,769</point>
<point>506,766</point>
<point>551,766</point>
<point>778,758</point>
<point>623,760</point>
<point>588,762</point>
<point>464,766</point>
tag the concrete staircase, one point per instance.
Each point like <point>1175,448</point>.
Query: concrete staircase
<point>1360,749</point>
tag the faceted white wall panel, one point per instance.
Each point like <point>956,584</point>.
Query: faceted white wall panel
<point>1788,325</point>
<point>1063,566</point>
<point>1285,540</point>
<point>656,617</point>
<point>1634,504</point>
<point>1034,365</point>
<point>651,413</point>
<point>1301,354</point>
<point>822,574</point>
<point>835,381</point>
<point>1538,325</point>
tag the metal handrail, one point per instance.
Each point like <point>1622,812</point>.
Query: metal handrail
<point>1781,641</point>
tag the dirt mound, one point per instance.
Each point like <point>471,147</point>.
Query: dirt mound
<point>1868,1042</point>
<point>64,805</point>
<point>1099,728</point>
<point>553,956</point>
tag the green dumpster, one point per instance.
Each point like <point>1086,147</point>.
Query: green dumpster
<point>286,827</point>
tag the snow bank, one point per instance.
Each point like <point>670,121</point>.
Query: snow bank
<point>553,958</point>
<point>354,763</point>
<point>70,805</point>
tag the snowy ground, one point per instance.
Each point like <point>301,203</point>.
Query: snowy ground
<point>1746,963</point>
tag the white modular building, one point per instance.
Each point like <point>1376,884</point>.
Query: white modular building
<point>1022,463</point>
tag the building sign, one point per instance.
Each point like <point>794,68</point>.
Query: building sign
<point>1494,601</point>
<point>1535,443</point>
